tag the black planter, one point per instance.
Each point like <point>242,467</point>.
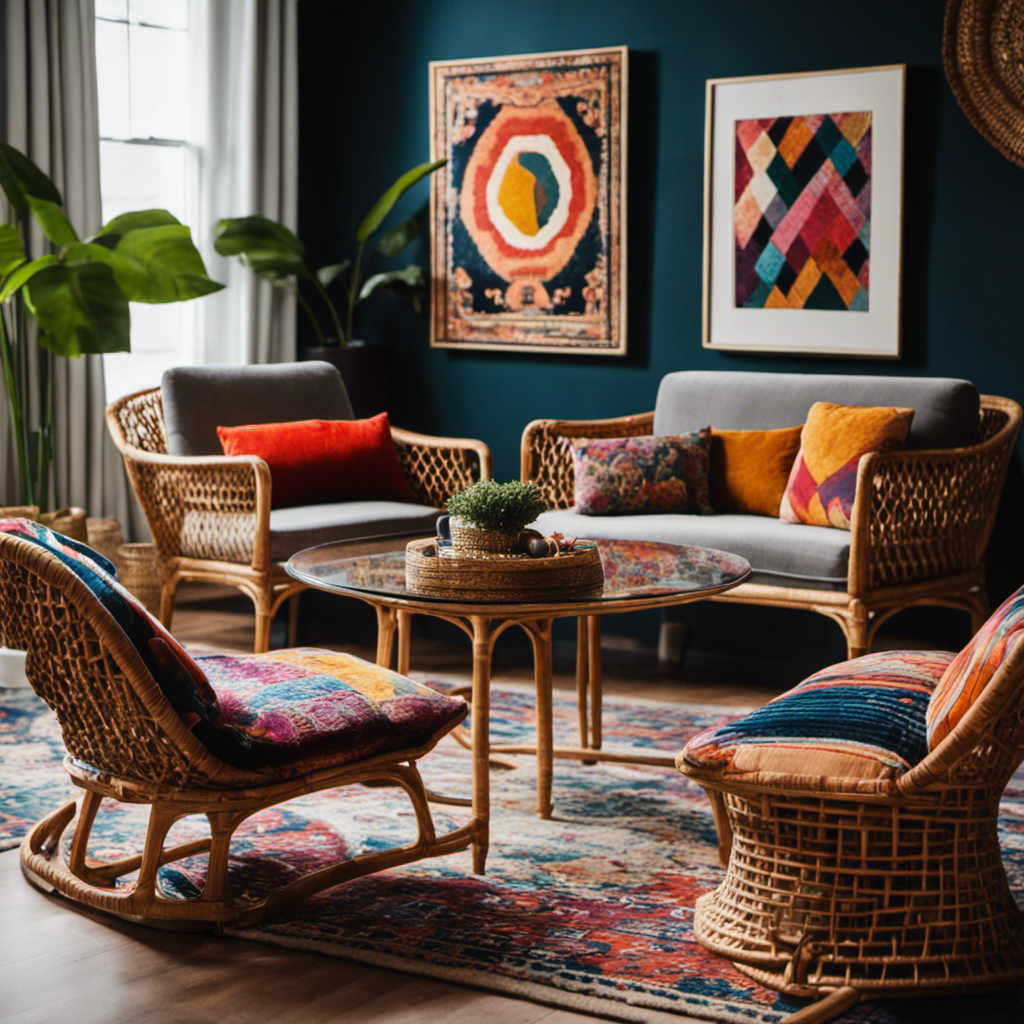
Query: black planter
<point>364,369</point>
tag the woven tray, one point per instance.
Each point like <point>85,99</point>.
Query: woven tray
<point>575,574</point>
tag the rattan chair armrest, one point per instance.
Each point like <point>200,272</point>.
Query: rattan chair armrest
<point>546,458</point>
<point>437,467</point>
<point>214,506</point>
<point>925,514</point>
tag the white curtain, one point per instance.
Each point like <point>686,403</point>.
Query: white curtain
<point>51,115</point>
<point>245,88</point>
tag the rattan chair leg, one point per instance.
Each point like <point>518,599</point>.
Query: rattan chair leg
<point>168,596</point>
<point>387,620</point>
<point>540,637</point>
<point>596,681</point>
<point>830,1007</point>
<point>582,678</point>
<point>404,642</point>
<point>79,844</point>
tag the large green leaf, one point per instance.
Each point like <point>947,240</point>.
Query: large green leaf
<point>24,273</point>
<point>411,276</point>
<point>111,232</point>
<point>325,275</point>
<point>52,220</point>
<point>20,178</point>
<point>395,239</point>
<point>382,207</point>
<point>275,266</point>
<point>233,236</point>
<point>154,265</point>
<point>80,309</point>
<point>12,250</point>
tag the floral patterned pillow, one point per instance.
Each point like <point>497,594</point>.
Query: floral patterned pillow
<point>629,475</point>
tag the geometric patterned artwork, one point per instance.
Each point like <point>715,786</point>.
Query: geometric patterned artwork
<point>527,215</point>
<point>802,214</point>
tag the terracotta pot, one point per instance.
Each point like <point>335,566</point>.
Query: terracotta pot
<point>364,369</point>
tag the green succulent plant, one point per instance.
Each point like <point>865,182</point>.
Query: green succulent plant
<point>488,505</point>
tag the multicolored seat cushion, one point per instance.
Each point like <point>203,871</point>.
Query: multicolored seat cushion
<point>859,720</point>
<point>619,475</point>
<point>324,706</point>
<point>974,667</point>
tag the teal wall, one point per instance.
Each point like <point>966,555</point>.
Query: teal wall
<point>364,120</point>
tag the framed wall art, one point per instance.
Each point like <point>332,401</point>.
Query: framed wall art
<point>528,217</point>
<point>803,198</point>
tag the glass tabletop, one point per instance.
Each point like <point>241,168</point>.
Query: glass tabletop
<point>632,570</point>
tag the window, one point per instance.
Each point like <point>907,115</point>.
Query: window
<point>148,159</point>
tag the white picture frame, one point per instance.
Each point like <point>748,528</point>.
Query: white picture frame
<point>856,310</point>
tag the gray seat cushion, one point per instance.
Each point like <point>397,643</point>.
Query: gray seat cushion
<point>784,554</point>
<point>199,399</point>
<point>945,409</point>
<point>292,529</point>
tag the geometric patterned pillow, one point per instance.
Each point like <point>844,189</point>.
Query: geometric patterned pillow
<point>823,482</point>
<point>323,707</point>
<point>974,667</point>
<point>624,475</point>
<point>861,719</point>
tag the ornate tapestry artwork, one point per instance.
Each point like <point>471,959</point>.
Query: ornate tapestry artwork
<point>803,211</point>
<point>528,215</point>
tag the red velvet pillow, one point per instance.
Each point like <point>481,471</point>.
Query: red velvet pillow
<point>315,462</point>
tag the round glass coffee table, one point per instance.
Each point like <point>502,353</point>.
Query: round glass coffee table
<point>637,575</point>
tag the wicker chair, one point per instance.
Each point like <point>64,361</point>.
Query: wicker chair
<point>210,515</point>
<point>920,527</point>
<point>126,742</point>
<point>840,888</point>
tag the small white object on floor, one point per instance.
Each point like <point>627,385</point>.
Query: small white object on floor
<point>12,669</point>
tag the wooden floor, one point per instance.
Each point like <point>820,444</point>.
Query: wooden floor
<point>62,965</point>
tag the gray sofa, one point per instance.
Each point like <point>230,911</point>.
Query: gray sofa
<point>920,525</point>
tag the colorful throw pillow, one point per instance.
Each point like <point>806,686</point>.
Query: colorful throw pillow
<point>315,462</point>
<point>331,707</point>
<point>624,475</point>
<point>862,719</point>
<point>823,482</point>
<point>974,668</point>
<point>750,469</point>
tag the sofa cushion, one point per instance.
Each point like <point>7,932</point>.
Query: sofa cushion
<point>862,719</point>
<point>786,554</point>
<point>823,482</point>
<point>292,529</point>
<point>199,399</point>
<point>945,409</point>
<point>316,461</point>
<point>324,707</point>
<point>622,475</point>
<point>750,468</point>
<point>975,668</point>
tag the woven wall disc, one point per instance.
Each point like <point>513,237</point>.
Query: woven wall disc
<point>983,53</point>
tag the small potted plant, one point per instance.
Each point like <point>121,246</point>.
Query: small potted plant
<point>488,518</point>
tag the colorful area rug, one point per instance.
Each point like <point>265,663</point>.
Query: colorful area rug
<point>591,910</point>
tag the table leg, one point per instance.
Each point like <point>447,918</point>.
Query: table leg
<point>481,738</point>
<point>540,635</point>
<point>404,639</point>
<point>582,679</point>
<point>386,618</point>
<point>596,681</point>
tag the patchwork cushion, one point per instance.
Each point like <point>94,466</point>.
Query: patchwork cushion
<point>974,667</point>
<point>862,719</point>
<point>750,468</point>
<point>619,475</point>
<point>323,706</point>
<point>823,482</point>
<point>316,461</point>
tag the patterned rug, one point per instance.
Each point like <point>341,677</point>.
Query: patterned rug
<point>591,910</point>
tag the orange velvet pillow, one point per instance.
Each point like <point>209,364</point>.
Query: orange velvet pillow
<point>315,462</point>
<point>750,469</point>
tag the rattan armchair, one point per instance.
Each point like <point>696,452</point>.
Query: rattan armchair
<point>840,889</point>
<point>126,742</point>
<point>210,515</point>
<point>921,523</point>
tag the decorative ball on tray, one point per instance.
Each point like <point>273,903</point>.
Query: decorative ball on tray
<point>484,551</point>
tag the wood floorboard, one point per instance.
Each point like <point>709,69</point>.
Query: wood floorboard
<point>61,964</point>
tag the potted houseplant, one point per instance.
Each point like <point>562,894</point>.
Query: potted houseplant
<point>489,518</point>
<point>276,254</point>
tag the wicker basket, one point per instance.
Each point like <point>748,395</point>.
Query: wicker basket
<point>68,521</point>
<point>105,536</point>
<point>139,570</point>
<point>572,575</point>
<point>472,542</point>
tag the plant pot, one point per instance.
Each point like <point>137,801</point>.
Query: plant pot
<point>473,542</point>
<point>364,369</point>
